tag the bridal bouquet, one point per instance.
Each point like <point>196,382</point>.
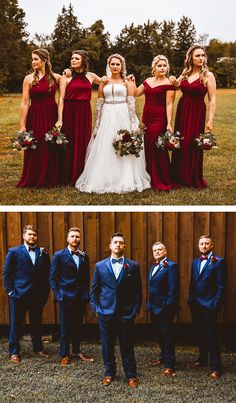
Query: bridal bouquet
<point>129,142</point>
<point>168,141</point>
<point>55,136</point>
<point>24,140</point>
<point>206,141</point>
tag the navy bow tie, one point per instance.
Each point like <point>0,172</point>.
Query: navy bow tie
<point>120,260</point>
<point>76,252</point>
<point>33,249</point>
<point>203,258</point>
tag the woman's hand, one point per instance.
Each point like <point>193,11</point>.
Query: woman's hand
<point>58,124</point>
<point>173,80</point>
<point>67,73</point>
<point>169,128</point>
<point>209,126</point>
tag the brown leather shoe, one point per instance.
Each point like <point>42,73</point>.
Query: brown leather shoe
<point>155,363</point>
<point>168,372</point>
<point>65,361</point>
<point>15,358</point>
<point>107,380</point>
<point>84,357</point>
<point>133,382</point>
<point>43,354</point>
<point>215,375</point>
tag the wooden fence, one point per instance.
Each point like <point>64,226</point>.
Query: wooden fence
<point>179,231</point>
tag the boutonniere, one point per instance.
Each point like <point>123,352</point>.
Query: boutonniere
<point>165,263</point>
<point>82,253</point>
<point>213,259</point>
<point>42,250</point>
<point>126,266</point>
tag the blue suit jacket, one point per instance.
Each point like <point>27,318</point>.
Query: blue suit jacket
<point>68,282</point>
<point>207,288</point>
<point>20,275</point>
<point>163,287</point>
<point>122,297</point>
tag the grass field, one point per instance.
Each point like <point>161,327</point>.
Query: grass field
<point>219,167</point>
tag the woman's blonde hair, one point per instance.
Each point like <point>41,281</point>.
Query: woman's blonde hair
<point>156,60</point>
<point>43,54</point>
<point>188,64</point>
<point>123,72</point>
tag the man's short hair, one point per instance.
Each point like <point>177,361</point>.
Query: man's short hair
<point>119,234</point>
<point>206,236</point>
<point>30,227</point>
<point>158,243</point>
<point>75,229</point>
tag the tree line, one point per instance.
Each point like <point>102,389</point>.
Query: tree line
<point>137,43</point>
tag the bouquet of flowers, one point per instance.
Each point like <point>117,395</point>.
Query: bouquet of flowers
<point>168,141</point>
<point>129,142</point>
<point>55,136</point>
<point>206,141</point>
<point>24,140</point>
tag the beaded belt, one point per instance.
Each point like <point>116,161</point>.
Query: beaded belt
<point>115,102</point>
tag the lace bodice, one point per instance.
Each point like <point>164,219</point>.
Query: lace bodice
<point>115,93</point>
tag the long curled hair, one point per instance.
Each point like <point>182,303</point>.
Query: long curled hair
<point>156,60</point>
<point>85,62</point>
<point>43,54</point>
<point>188,64</point>
<point>123,71</point>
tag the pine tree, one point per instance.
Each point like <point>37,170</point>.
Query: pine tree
<point>66,37</point>
<point>15,51</point>
<point>185,37</point>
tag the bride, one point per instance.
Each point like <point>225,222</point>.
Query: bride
<point>105,171</point>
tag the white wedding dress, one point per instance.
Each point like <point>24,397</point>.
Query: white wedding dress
<point>105,171</point>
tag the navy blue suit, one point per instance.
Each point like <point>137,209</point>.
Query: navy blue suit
<point>70,285</point>
<point>116,303</point>
<point>28,286</point>
<point>206,293</point>
<point>163,304</point>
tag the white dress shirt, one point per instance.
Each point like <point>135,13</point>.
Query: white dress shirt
<point>157,267</point>
<point>75,258</point>
<point>117,267</point>
<point>32,253</point>
<point>203,262</point>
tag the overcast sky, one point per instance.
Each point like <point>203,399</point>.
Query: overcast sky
<point>217,18</point>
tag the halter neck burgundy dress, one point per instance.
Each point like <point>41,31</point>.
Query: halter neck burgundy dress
<point>77,125</point>
<point>43,167</point>
<point>187,162</point>
<point>155,120</point>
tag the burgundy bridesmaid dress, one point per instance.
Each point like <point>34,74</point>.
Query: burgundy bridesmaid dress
<point>77,125</point>
<point>42,166</point>
<point>187,162</point>
<point>154,118</point>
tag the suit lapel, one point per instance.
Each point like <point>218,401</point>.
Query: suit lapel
<point>123,272</point>
<point>109,267</point>
<point>69,257</point>
<point>26,253</point>
<point>204,267</point>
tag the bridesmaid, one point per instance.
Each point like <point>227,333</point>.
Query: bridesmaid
<point>38,112</point>
<point>157,116</point>
<point>75,115</point>
<point>195,82</point>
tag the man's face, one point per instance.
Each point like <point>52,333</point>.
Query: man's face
<point>30,237</point>
<point>117,246</point>
<point>159,252</point>
<point>205,245</point>
<point>73,239</point>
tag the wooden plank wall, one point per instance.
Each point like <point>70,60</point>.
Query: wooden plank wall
<point>179,231</point>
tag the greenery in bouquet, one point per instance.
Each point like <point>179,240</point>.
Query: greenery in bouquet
<point>55,136</point>
<point>206,141</point>
<point>24,140</point>
<point>168,141</point>
<point>129,142</point>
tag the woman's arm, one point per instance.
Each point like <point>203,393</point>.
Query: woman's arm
<point>170,97</point>
<point>25,103</point>
<point>93,78</point>
<point>211,88</point>
<point>63,85</point>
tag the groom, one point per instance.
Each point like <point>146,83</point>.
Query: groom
<point>116,296</point>
<point>69,279</point>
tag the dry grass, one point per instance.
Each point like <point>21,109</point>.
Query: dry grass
<point>219,167</point>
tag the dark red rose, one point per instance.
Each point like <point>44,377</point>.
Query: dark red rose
<point>126,266</point>
<point>165,263</point>
<point>214,258</point>
<point>55,134</point>
<point>126,138</point>
<point>206,146</point>
<point>26,143</point>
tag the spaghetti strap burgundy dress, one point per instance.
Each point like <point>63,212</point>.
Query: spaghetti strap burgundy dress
<point>43,166</point>
<point>155,120</point>
<point>187,162</point>
<point>77,125</point>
